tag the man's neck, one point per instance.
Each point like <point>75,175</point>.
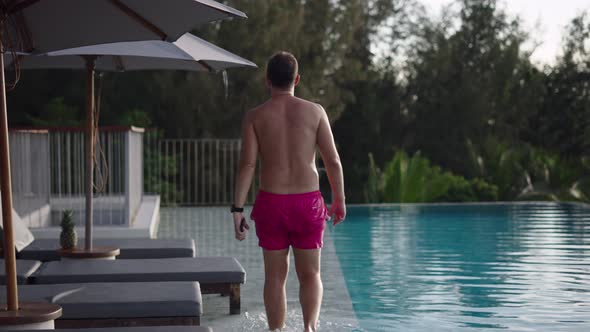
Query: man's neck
<point>279,93</point>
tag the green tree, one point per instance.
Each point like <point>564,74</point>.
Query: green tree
<point>57,113</point>
<point>468,83</point>
<point>563,123</point>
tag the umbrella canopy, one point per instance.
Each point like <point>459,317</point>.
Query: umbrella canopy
<point>47,25</point>
<point>189,52</point>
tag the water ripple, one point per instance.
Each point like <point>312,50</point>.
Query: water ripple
<point>520,267</point>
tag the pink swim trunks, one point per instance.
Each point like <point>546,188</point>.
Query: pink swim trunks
<point>284,220</point>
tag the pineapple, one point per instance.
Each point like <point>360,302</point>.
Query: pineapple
<point>68,238</point>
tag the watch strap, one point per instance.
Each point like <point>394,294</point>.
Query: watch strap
<point>236,209</point>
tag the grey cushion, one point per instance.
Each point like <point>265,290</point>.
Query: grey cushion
<point>46,249</point>
<point>202,269</point>
<point>117,300</point>
<point>136,329</point>
<point>24,269</point>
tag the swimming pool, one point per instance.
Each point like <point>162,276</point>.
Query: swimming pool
<point>467,267</point>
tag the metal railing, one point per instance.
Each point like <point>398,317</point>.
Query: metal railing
<point>193,171</point>
<point>48,170</point>
<point>29,163</point>
<point>57,155</point>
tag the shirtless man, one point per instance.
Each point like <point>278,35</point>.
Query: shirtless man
<point>289,209</point>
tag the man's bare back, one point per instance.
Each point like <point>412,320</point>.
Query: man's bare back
<point>287,128</point>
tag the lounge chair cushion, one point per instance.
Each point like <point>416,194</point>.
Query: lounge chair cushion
<point>117,300</point>
<point>46,249</point>
<point>24,269</point>
<point>136,329</point>
<point>202,269</point>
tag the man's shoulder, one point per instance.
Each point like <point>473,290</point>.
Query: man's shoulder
<point>310,104</point>
<point>252,112</point>
<point>295,102</point>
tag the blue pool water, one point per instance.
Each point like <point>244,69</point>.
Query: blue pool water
<point>519,267</point>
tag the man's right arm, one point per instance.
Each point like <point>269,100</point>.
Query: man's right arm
<point>327,147</point>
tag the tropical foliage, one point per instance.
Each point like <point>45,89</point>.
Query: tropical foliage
<point>414,180</point>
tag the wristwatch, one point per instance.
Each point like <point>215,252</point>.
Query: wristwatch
<point>236,209</point>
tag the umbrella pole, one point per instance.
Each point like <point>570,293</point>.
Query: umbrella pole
<point>90,64</point>
<point>6,190</point>
<point>25,315</point>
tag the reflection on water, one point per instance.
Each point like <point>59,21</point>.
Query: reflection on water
<point>468,267</point>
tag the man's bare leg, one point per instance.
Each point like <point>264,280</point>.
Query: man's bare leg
<point>276,267</point>
<point>307,265</point>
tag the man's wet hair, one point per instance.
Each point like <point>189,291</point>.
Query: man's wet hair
<point>281,70</point>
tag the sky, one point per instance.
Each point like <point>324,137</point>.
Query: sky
<point>546,19</point>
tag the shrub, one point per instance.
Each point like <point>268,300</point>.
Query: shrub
<point>414,180</point>
<point>484,191</point>
<point>474,190</point>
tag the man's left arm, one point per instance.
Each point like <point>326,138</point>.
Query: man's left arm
<point>246,169</point>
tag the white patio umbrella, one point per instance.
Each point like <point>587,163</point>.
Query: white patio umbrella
<point>45,25</point>
<point>189,52</point>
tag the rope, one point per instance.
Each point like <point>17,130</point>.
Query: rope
<point>13,46</point>
<point>100,162</point>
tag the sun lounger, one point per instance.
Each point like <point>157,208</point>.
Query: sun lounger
<point>46,249</point>
<point>119,304</point>
<point>136,329</point>
<point>216,275</point>
<point>24,270</point>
